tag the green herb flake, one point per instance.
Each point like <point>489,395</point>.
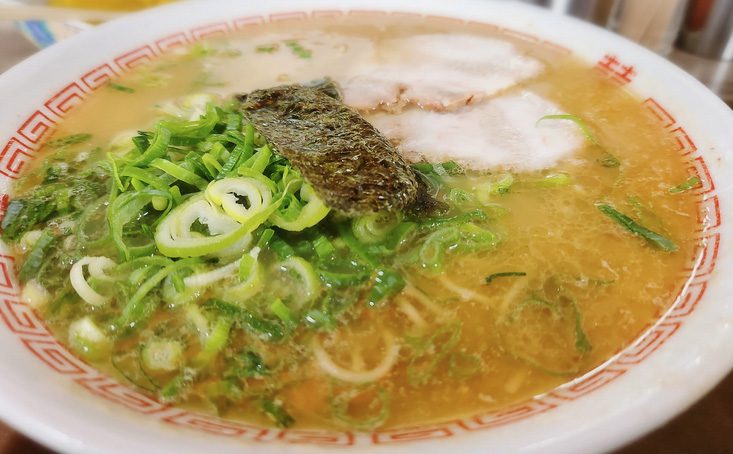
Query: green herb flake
<point>489,279</point>
<point>609,160</point>
<point>122,88</point>
<point>73,139</point>
<point>268,48</point>
<point>634,227</point>
<point>582,343</point>
<point>690,183</point>
<point>298,49</point>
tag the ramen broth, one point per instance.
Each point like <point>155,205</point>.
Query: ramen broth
<point>562,287</point>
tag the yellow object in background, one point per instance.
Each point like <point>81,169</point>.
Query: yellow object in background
<point>118,5</point>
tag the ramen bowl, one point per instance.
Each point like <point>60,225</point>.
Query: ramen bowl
<point>63,402</point>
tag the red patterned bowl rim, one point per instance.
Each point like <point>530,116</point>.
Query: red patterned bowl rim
<point>31,332</point>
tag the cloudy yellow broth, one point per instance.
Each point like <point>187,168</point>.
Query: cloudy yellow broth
<point>501,349</point>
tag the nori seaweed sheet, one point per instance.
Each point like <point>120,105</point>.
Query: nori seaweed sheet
<point>351,165</point>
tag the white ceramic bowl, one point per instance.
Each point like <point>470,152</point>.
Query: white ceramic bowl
<point>57,399</point>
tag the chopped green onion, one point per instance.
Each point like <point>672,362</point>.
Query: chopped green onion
<point>380,406</point>
<point>430,352</point>
<point>449,168</point>
<point>342,280</point>
<point>175,389</point>
<point>386,284</point>
<point>259,160</point>
<point>475,215</point>
<point>400,236</point>
<point>282,311</point>
<point>356,247</point>
<point>265,238</point>
<point>374,228</point>
<point>179,173</point>
<point>73,139</point>
<point>12,224</point>
<point>139,308</point>
<point>310,284</point>
<point>493,185</point>
<point>275,411</point>
<point>311,214</point>
<point>282,249</point>
<point>579,122</point>
<point>123,210</point>
<point>270,330</point>
<point>145,176</point>
<point>248,364</point>
<point>690,183</point>
<point>192,129</point>
<point>475,238</point>
<point>93,219</point>
<point>246,266</point>
<point>215,342</point>
<point>34,260</point>
<point>323,247</point>
<point>632,226</point>
<point>644,214</point>
<point>122,88</point>
<point>608,159</point>
<point>432,251</point>
<point>241,153</point>
<point>157,148</point>
<point>176,242</point>
<point>212,164</point>
<point>116,174</point>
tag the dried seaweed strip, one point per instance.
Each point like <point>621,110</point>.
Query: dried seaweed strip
<point>351,165</point>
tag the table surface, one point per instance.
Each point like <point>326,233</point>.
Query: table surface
<point>706,427</point>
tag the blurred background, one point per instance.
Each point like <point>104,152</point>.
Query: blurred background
<point>695,34</point>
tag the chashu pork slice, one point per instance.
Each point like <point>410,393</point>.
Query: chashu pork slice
<point>501,133</point>
<point>435,71</point>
